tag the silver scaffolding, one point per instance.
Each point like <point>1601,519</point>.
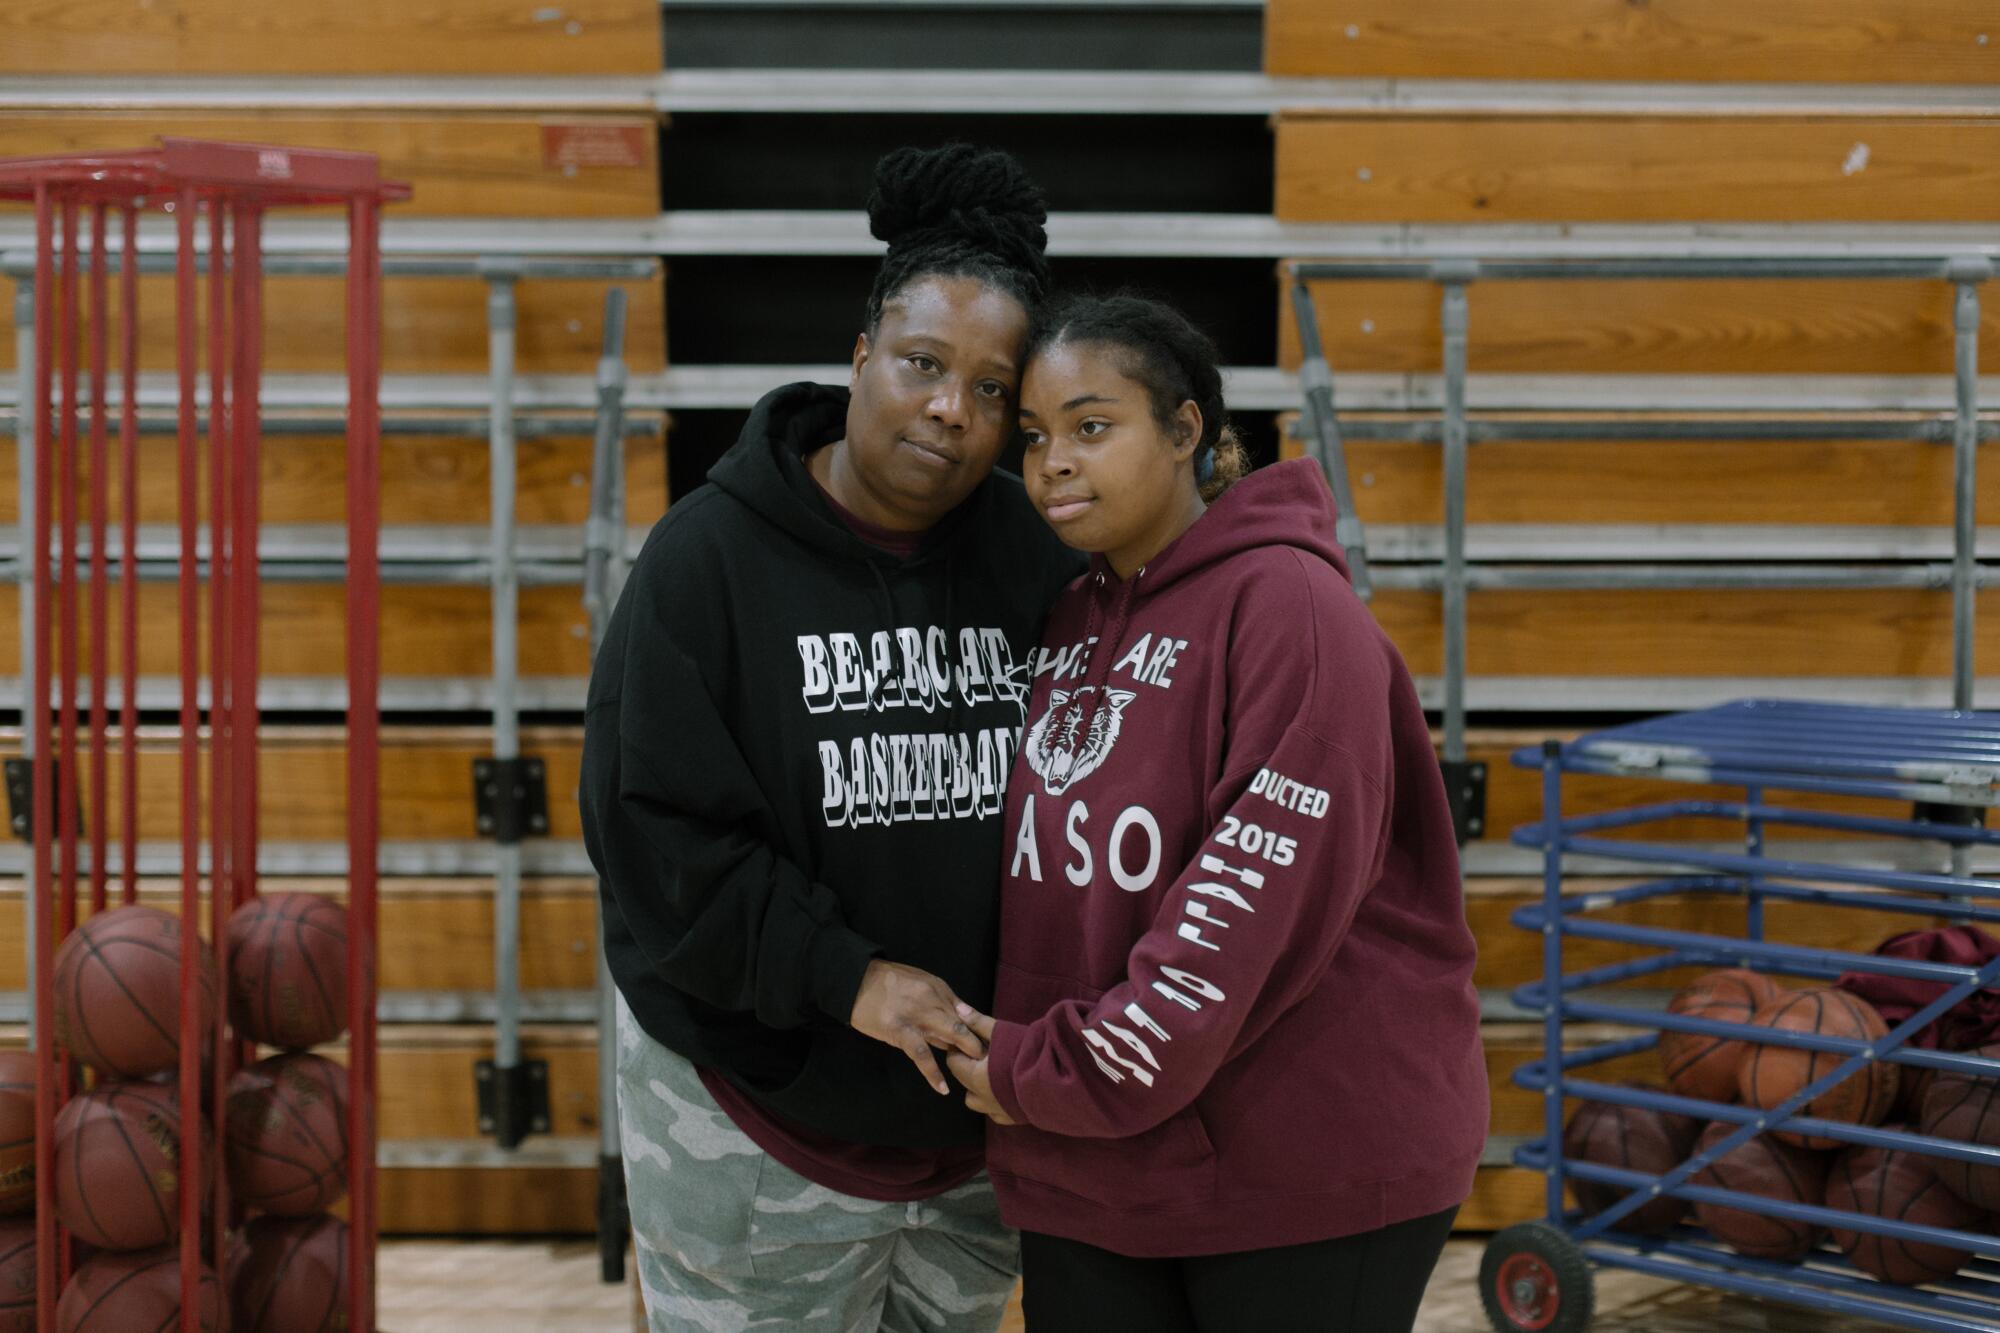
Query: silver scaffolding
<point>1454,576</point>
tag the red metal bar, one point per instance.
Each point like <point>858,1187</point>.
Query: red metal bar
<point>245,427</point>
<point>100,562</point>
<point>363,721</point>
<point>186,343</point>
<point>36,702</point>
<point>220,558</point>
<point>66,766</point>
<point>128,512</point>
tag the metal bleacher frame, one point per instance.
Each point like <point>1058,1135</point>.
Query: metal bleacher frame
<point>1454,575</point>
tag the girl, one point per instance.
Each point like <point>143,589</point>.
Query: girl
<point>1234,1065</point>
<point>795,751</point>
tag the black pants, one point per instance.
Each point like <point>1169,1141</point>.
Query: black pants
<point>1368,1283</point>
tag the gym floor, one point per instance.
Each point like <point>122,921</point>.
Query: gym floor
<point>529,1287</point>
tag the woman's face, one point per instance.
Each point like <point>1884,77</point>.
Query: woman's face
<point>933,398</point>
<point>1097,463</point>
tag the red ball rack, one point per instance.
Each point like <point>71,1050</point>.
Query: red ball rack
<point>217,195</point>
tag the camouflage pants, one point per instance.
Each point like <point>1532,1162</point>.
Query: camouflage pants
<point>730,1241</point>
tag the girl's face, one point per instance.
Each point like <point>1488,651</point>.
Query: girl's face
<point>1097,464</point>
<point>933,399</point>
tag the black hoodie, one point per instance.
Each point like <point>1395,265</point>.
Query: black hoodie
<point>796,749</point>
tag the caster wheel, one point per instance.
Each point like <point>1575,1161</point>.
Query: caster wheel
<point>1534,1279</point>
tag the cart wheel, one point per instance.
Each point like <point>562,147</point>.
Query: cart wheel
<point>1534,1279</point>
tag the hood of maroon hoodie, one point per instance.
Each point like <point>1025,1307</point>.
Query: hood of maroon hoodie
<point>1234,992</point>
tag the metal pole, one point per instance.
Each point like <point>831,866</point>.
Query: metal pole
<point>1322,438</point>
<point>364,409</point>
<point>1456,317</point>
<point>1552,953</point>
<point>33,689</point>
<point>49,1273</point>
<point>603,577</point>
<point>505,582</point>
<point>1965,451</point>
<point>1753,845</point>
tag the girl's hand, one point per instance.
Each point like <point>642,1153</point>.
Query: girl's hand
<point>973,1073</point>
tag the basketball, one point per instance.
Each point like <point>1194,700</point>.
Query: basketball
<point>286,1144</point>
<point>121,1293</point>
<point>1966,1109</point>
<point>290,1274</point>
<point>17,1277</point>
<point>1638,1140</point>
<point>1705,1067</point>
<point>1770,1074</point>
<point>1903,1186</point>
<point>118,1180</point>
<point>116,986</point>
<point>1770,1168</point>
<point>288,970</point>
<point>17,1132</point>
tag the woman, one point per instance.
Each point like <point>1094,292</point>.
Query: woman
<point>795,751</point>
<point>1235,1060</point>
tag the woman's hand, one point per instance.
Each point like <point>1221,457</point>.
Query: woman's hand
<point>908,1008</point>
<point>973,1072</point>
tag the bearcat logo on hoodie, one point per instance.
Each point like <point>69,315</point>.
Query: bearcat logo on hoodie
<point>1058,751</point>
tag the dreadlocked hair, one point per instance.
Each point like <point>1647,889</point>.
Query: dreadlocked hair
<point>1173,360</point>
<point>957,212</point>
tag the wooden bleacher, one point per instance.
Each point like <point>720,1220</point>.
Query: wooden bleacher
<point>1703,41</point>
<point>100,37</point>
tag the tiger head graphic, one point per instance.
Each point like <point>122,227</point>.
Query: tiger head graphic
<point>1057,748</point>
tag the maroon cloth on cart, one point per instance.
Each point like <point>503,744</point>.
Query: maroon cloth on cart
<point>1971,1023</point>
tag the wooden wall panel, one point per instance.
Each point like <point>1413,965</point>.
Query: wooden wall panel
<point>426,1089</point>
<point>426,631</point>
<point>1834,41</point>
<point>430,326</point>
<point>1863,482</point>
<point>487,1201</point>
<point>435,935</point>
<point>1502,1196</point>
<point>1511,1045</point>
<point>1694,633</point>
<point>1689,327</point>
<point>425,479</point>
<point>354,37</point>
<point>426,777</point>
<point>461,165</point>
<point>1458,168</point>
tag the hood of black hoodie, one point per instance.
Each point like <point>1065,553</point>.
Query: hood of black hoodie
<point>765,469</point>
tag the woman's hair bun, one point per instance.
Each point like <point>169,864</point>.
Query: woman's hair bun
<point>975,196</point>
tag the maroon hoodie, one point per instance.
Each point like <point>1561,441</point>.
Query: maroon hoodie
<point>1235,983</point>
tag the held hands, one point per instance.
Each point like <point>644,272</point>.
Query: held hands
<point>908,1008</point>
<point>972,1071</point>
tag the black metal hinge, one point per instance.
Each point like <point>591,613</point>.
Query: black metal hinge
<point>1465,789</point>
<point>510,798</point>
<point>20,772</point>
<point>513,1102</point>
